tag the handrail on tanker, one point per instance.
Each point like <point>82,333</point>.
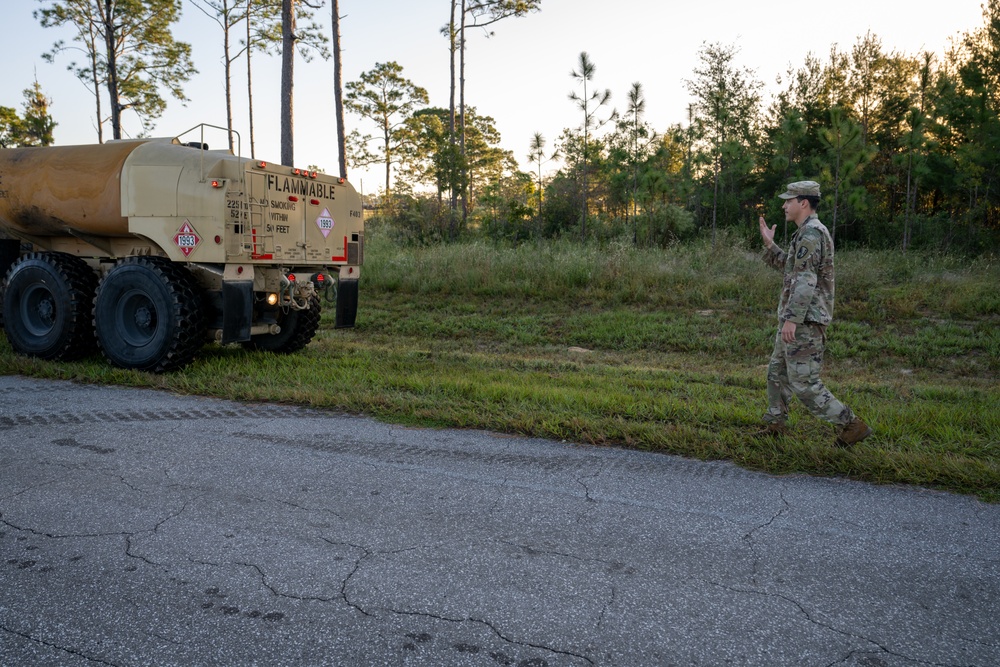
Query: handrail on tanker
<point>202,126</point>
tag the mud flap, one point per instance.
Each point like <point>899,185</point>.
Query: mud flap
<point>237,311</point>
<point>347,303</point>
<point>10,250</point>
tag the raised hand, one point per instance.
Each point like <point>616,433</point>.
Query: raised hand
<point>766,233</point>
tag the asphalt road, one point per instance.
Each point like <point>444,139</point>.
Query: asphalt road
<point>143,528</point>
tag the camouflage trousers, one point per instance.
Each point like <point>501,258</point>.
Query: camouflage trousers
<point>794,371</point>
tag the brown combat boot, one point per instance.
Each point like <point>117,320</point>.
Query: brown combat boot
<point>772,430</point>
<point>853,433</point>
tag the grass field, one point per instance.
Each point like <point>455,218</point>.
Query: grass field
<point>662,350</point>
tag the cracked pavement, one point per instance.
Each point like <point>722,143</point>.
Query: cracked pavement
<point>141,527</point>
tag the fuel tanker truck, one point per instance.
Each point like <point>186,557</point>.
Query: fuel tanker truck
<point>148,249</point>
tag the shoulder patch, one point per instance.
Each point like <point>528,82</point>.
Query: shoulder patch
<point>803,251</point>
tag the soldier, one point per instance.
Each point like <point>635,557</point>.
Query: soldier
<point>805,310</point>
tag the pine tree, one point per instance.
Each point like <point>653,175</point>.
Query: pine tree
<point>38,123</point>
<point>131,53</point>
<point>590,103</point>
<point>727,106</point>
<point>385,97</point>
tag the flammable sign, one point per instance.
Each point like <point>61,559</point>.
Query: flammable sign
<point>325,222</point>
<point>187,238</point>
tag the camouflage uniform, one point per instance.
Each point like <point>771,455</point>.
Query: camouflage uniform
<point>807,300</point>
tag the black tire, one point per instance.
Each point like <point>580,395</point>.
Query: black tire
<point>46,306</point>
<point>297,328</point>
<point>148,315</point>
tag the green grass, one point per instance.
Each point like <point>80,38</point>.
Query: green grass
<point>674,348</point>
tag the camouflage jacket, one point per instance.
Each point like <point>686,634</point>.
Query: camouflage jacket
<point>807,293</point>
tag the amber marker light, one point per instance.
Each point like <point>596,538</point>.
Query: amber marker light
<point>216,184</point>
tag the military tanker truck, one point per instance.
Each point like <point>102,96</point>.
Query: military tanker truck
<point>148,249</point>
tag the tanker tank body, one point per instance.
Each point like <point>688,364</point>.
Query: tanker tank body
<point>147,249</point>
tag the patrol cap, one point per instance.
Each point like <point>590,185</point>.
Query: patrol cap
<point>801,189</point>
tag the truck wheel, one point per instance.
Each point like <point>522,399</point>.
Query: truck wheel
<point>46,304</point>
<point>297,328</point>
<point>148,315</point>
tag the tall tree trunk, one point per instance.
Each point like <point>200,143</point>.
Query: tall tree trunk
<point>635,180</point>
<point>453,47</point>
<point>97,94</point>
<point>388,156</point>
<point>253,153</point>
<point>715,196</point>
<point>109,42</point>
<point>464,176</point>
<point>586,140</point>
<point>338,90</point>
<point>836,198</point>
<point>287,81</point>
<point>909,195</point>
<point>539,197</point>
<point>228,72</point>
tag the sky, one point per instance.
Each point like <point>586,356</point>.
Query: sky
<point>520,76</point>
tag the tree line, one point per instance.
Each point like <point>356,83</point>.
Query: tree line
<point>906,146</point>
<point>907,149</point>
